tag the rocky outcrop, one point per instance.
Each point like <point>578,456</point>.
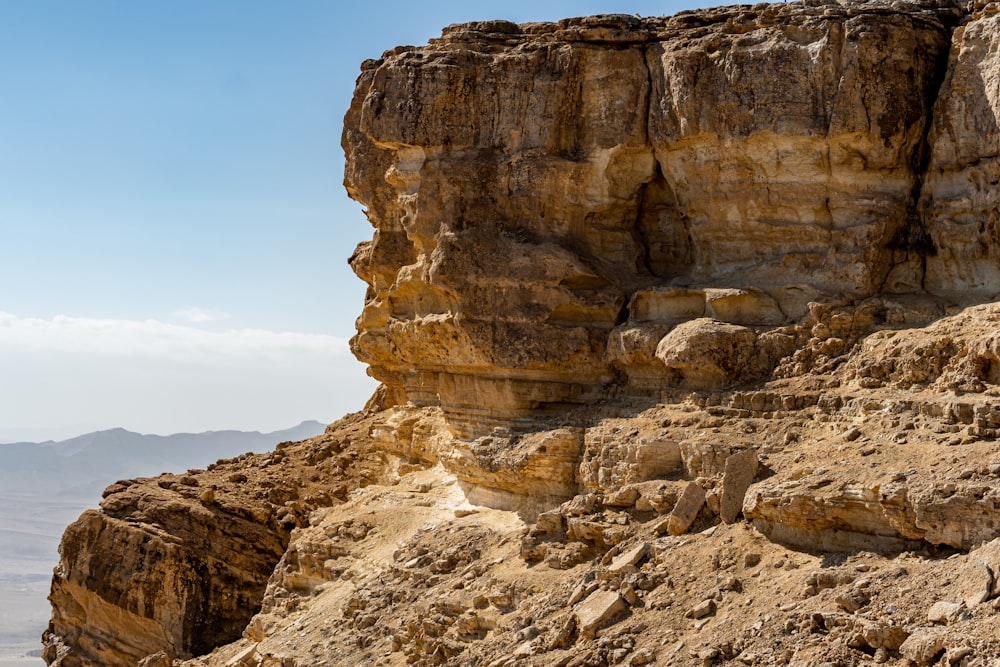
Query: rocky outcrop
<point>775,186</point>
<point>178,564</point>
<point>686,330</point>
<point>155,571</point>
<point>531,251</point>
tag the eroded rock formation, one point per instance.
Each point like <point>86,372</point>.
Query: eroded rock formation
<point>551,200</point>
<point>179,563</point>
<point>686,328</point>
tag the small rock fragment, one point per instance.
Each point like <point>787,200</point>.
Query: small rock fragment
<point>945,612</point>
<point>686,509</point>
<point>731,584</point>
<point>598,610</point>
<point>977,582</point>
<point>954,656</point>
<point>564,637</point>
<point>583,589</point>
<point>702,609</point>
<point>628,561</point>
<point>888,637</point>
<point>244,658</point>
<point>643,656</point>
<point>923,647</point>
<point>624,497</point>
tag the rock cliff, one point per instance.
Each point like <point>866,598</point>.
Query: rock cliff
<point>551,200</point>
<point>687,335</point>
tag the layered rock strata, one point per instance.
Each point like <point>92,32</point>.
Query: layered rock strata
<point>685,328</point>
<point>552,200</point>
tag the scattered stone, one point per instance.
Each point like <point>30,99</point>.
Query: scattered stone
<point>888,637</point>
<point>731,584</point>
<point>945,612</point>
<point>628,561</point>
<point>702,609</point>
<point>623,497</point>
<point>741,468</point>
<point>855,598</point>
<point>598,610</point>
<point>524,650</point>
<point>978,581</point>
<point>583,589</point>
<point>643,656</point>
<point>707,655</point>
<point>565,634</point>
<point>686,509</point>
<point>751,559</point>
<point>956,655</point>
<point>923,647</point>
<point>245,658</point>
<point>713,500</point>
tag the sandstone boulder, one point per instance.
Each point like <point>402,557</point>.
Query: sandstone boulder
<point>706,353</point>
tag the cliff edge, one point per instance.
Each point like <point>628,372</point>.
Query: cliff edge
<point>687,335</point>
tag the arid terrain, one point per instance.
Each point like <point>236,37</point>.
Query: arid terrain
<point>687,336</point>
<point>45,486</point>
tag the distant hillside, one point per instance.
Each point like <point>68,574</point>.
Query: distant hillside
<point>86,464</point>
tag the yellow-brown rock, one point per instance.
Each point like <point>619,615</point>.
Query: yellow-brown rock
<point>546,196</point>
<point>160,569</point>
<point>959,197</point>
<point>670,314</point>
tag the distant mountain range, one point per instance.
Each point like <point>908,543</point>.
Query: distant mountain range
<point>84,465</point>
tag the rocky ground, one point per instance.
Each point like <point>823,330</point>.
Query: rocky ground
<point>865,535</point>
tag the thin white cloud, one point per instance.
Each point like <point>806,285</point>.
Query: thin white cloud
<point>156,377</point>
<point>198,315</point>
<point>153,339</point>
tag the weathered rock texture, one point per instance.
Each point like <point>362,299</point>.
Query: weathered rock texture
<point>552,200</point>
<point>687,330</point>
<point>179,563</point>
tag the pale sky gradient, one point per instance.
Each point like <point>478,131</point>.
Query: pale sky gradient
<point>174,228</point>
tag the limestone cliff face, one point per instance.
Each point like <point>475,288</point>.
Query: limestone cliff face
<point>666,312</point>
<point>550,200</point>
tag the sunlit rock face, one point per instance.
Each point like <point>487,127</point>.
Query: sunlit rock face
<point>178,564</point>
<point>960,197</point>
<point>551,200</point>
<point>629,277</point>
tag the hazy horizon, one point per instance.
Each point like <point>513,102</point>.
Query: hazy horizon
<point>8,440</point>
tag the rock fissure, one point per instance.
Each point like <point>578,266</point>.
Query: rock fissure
<point>913,238</point>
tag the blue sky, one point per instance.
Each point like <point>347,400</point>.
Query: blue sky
<point>174,228</point>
